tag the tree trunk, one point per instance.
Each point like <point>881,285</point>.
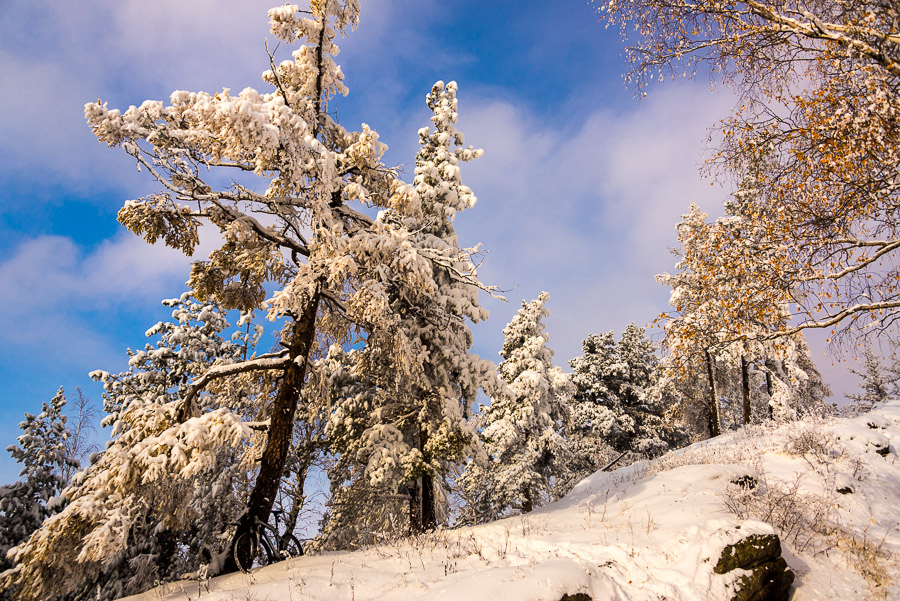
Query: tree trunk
<point>415,508</point>
<point>769,391</point>
<point>745,387</point>
<point>281,427</point>
<point>299,498</point>
<point>527,501</point>
<point>713,409</point>
<point>422,514</point>
<point>429,515</point>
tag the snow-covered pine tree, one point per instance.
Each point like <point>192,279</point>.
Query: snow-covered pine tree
<point>784,384</point>
<point>403,419</point>
<point>653,435</point>
<point>616,406</point>
<point>522,426</point>
<point>25,504</point>
<point>309,236</point>
<point>875,383</point>
<point>301,235</point>
<point>163,488</point>
<point>591,425</point>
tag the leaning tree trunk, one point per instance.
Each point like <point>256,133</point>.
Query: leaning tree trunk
<point>745,388</point>
<point>713,409</point>
<point>280,431</point>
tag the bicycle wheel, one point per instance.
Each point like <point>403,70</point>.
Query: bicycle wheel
<point>289,546</point>
<point>249,553</point>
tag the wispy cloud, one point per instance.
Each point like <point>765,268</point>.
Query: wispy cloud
<point>59,297</point>
<point>586,211</point>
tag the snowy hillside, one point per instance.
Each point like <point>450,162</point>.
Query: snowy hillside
<point>829,489</point>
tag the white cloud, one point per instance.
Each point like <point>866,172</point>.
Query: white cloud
<point>55,293</point>
<point>122,52</point>
<point>588,210</point>
<point>52,269</point>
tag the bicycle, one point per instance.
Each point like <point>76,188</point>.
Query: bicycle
<point>256,547</point>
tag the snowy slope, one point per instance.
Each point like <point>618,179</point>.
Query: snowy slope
<point>649,531</point>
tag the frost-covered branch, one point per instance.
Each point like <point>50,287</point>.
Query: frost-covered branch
<point>832,320</point>
<point>187,408</point>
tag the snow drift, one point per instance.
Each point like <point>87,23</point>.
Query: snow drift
<point>828,488</point>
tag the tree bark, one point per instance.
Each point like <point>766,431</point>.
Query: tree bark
<point>713,409</point>
<point>527,501</point>
<point>422,514</point>
<point>281,427</point>
<point>745,388</point>
<point>429,515</point>
<point>415,509</point>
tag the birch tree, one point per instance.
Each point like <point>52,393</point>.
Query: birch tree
<point>812,146</point>
<point>713,338</point>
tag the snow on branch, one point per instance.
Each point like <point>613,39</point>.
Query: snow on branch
<point>266,362</point>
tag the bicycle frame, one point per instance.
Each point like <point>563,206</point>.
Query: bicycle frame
<point>275,546</point>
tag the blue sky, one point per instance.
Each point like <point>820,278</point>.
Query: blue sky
<point>579,190</point>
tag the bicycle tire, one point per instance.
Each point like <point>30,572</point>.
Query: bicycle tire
<point>268,556</point>
<point>249,553</point>
<point>289,546</point>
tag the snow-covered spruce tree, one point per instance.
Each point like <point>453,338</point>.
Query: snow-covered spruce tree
<point>25,504</point>
<point>403,420</point>
<point>522,426</point>
<point>875,383</point>
<point>358,512</point>
<point>783,384</point>
<point>616,407</point>
<point>590,424</point>
<point>163,488</point>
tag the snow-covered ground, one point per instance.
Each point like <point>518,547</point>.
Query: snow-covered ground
<point>646,532</point>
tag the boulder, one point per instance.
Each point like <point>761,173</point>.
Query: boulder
<point>770,577</point>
